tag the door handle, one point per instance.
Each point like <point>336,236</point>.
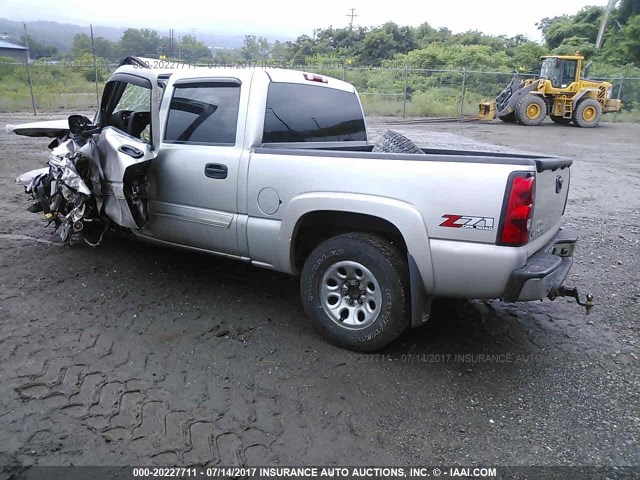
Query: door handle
<point>131,151</point>
<point>216,170</point>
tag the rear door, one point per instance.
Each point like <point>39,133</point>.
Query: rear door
<point>193,190</point>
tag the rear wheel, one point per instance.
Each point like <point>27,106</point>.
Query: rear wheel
<point>588,113</point>
<point>531,110</point>
<point>560,120</point>
<point>354,288</point>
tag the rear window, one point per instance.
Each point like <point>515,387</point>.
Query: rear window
<point>309,113</point>
<point>203,113</point>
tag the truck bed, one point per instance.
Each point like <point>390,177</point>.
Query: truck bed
<point>541,162</point>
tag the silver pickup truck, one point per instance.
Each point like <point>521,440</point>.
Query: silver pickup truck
<point>274,167</point>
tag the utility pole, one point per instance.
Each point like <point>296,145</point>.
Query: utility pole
<point>26,44</point>
<point>603,24</point>
<point>351,14</point>
<point>95,66</point>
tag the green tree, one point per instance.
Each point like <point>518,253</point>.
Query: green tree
<point>621,40</point>
<point>583,24</point>
<point>630,39</point>
<point>140,42</point>
<point>403,37</point>
<point>225,56</point>
<point>193,49</point>
<point>300,50</point>
<point>103,47</point>
<point>81,44</point>
<point>626,10</point>
<point>526,57</point>
<point>89,69</point>
<point>571,45</point>
<point>384,43</point>
<point>255,48</point>
<point>377,46</point>
<point>426,35</point>
<point>37,49</point>
<point>278,50</point>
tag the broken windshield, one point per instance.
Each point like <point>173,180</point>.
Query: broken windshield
<point>127,107</point>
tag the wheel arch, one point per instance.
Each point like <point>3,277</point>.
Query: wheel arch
<point>584,93</point>
<point>318,225</point>
<point>335,213</point>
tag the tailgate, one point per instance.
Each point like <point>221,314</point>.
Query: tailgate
<point>551,190</point>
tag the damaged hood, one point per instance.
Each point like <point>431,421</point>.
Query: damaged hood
<point>50,128</point>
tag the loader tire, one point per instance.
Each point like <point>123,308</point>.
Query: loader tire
<point>531,110</point>
<point>508,118</point>
<point>394,142</point>
<point>560,120</point>
<point>588,113</point>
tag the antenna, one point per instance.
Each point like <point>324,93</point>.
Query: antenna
<point>351,15</point>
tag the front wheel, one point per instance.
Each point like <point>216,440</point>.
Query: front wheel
<point>531,110</point>
<point>354,288</point>
<point>588,113</point>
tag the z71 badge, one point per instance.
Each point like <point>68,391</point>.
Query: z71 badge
<point>467,221</point>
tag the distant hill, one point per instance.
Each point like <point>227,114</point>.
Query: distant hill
<point>61,34</point>
<point>53,33</point>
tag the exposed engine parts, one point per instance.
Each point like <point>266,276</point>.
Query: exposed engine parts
<point>68,192</point>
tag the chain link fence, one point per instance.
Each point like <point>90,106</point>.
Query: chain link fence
<point>398,91</point>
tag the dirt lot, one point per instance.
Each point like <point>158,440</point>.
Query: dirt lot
<point>128,354</point>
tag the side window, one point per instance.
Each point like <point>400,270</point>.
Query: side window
<point>569,74</point>
<point>309,113</point>
<point>128,108</point>
<point>203,113</point>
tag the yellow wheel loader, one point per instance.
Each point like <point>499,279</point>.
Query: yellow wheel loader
<point>560,92</point>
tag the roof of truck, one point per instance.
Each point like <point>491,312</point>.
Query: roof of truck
<point>166,68</point>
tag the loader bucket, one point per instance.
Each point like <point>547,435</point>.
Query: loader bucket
<point>487,111</point>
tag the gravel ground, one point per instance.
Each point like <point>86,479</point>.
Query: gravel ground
<point>129,354</point>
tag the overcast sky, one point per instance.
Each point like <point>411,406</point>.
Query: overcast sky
<point>291,18</point>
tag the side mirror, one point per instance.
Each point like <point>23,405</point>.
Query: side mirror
<point>78,124</point>
<point>81,126</point>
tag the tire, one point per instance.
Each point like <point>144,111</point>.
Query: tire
<point>394,142</point>
<point>588,113</point>
<point>508,118</point>
<point>350,266</point>
<point>531,110</point>
<point>560,120</point>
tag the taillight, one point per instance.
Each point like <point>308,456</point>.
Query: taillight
<point>315,78</point>
<point>518,210</point>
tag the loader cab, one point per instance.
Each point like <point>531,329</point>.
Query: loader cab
<point>561,71</point>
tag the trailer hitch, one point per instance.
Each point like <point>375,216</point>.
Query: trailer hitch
<point>573,292</point>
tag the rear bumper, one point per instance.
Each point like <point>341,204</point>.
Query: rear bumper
<point>545,270</point>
